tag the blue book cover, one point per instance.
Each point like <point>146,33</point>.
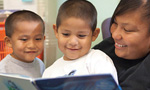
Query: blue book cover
<point>84,82</point>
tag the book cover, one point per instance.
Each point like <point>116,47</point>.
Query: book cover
<point>15,82</point>
<point>84,82</point>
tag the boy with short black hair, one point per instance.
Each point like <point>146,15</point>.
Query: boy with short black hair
<point>75,30</point>
<point>25,35</point>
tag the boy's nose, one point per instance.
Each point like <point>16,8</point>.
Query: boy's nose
<point>31,44</point>
<point>73,41</point>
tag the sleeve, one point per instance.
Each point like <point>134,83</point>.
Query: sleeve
<point>3,65</point>
<point>2,69</point>
<point>45,74</point>
<point>99,63</point>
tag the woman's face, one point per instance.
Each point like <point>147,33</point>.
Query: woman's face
<point>131,35</point>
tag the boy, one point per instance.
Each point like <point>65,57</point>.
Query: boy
<point>75,30</point>
<point>25,35</point>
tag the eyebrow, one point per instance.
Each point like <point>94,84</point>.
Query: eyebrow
<point>23,36</point>
<point>65,30</point>
<point>28,35</point>
<point>125,24</point>
<point>83,32</point>
<point>39,35</point>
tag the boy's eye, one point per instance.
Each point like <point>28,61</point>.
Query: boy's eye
<point>38,38</point>
<point>65,34</point>
<point>23,39</point>
<point>81,36</point>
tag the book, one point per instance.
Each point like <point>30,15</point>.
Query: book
<point>84,82</point>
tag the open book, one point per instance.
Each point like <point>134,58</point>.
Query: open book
<point>84,82</point>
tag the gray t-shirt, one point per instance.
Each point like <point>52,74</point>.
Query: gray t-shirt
<point>14,66</point>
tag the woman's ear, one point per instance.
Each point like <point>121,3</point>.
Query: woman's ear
<point>95,34</point>
<point>8,41</point>
<point>55,30</point>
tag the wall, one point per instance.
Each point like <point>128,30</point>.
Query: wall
<point>105,9</point>
<point>19,4</point>
<point>51,50</point>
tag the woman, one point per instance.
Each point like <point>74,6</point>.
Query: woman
<point>129,45</point>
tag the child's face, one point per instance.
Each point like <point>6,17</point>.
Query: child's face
<point>27,41</point>
<point>74,38</point>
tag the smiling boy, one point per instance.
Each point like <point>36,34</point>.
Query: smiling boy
<point>25,35</point>
<point>75,30</point>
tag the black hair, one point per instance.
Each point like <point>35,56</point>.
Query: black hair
<point>22,15</point>
<point>82,9</point>
<point>132,5</point>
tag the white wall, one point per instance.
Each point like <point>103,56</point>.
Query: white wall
<point>105,9</point>
<point>19,5</point>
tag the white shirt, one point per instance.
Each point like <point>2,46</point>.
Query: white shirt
<point>95,62</point>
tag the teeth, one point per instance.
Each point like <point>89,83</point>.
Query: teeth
<point>120,45</point>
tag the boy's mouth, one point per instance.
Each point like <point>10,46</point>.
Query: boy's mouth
<point>30,51</point>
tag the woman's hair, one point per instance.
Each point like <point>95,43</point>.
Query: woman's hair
<point>126,6</point>
<point>18,16</point>
<point>82,9</point>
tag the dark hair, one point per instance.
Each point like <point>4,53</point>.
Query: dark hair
<point>79,9</point>
<point>22,15</point>
<point>131,5</point>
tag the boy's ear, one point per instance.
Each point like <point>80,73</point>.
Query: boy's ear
<point>8,41</point>
<point>95,34</point>
<point>55,30</point>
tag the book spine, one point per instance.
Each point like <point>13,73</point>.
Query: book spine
<point>34,84</point>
